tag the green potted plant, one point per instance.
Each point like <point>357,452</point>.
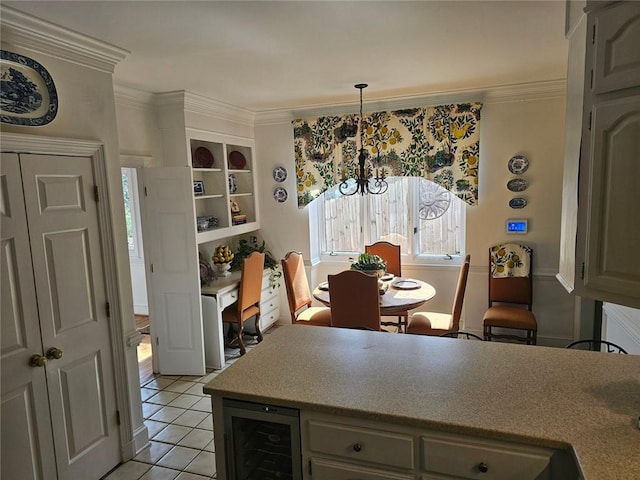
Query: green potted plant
<point>368,263</point>
<point>246,248</point>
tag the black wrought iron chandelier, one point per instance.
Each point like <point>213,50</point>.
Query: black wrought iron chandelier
<point>363,177</point>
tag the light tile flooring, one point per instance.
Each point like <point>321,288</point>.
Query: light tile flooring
<point>178,416</point>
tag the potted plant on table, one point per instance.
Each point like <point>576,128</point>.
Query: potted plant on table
<point>371,264</point>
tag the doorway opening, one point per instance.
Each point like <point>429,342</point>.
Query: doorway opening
<point>133,219</point>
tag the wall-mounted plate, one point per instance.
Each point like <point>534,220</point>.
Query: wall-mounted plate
<point>280,194</point>
<point>279,174</point>
<point>518,164</point>
<point>518,202</point>
<point>517,185</point>
<point>28,95</point>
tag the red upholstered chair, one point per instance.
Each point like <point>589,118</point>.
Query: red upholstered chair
<point>390,253</point>
<point>433,323</point>
<point>510,294</point>
<point>248,303</point>
<point>299,295</point>
<point>355,300</point>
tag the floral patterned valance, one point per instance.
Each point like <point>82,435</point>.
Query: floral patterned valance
<point>441,144</point>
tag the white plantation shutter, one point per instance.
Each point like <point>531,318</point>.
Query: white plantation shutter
<point>349,223</point>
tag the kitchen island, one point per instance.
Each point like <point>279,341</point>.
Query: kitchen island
<point>584,404</point>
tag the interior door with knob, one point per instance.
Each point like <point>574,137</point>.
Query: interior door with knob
<point>70,306</point>
<point>26,423</point>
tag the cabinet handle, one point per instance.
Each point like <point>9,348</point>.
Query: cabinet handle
<point>483,467</point>
<point>357,447</point>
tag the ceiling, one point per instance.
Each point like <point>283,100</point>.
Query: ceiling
<point>273,55</point>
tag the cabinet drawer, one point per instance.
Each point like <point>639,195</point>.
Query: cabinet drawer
<point>269,318</point>
<point>367,445</point>
<point>228,298</point>
<point>456,456</point>
<point>322,469</point>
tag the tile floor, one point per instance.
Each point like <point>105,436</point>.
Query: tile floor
<point>178,416</point>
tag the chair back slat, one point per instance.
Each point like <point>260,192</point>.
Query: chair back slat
<point>390,253</point>
<point>251,281</point>
<point>355,300</point>
<point>295,281</point>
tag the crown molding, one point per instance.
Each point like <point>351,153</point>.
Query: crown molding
<point>487,95</point>
<point>31,33</point>
<point>132,97</point>
<point>200,105</point>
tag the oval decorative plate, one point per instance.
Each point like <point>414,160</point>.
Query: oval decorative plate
<point>518,164</point>
<point>517,185</point>
<point>279,174</point>
<point>237,160</point>
<point>280,194</point>
<point>28,95</point>
<point>202,158</point>
<point>518,202</point>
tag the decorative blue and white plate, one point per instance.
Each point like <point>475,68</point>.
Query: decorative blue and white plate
<point>27,93</point>
<point>518,164</point>
<point>280,194</point>
<point>517,185</point>
<point>279,174</point>
<point>518,202</point>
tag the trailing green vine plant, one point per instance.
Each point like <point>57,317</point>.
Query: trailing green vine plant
<point>246,248</point>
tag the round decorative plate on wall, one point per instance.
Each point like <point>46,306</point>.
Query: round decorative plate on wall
<point>518,164</point>
<point>280,194</point>
<point>517,185</point>
<point>518,202</point>
<point>279,174</point>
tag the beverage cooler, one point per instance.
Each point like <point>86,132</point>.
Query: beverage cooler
<point>262,442</point>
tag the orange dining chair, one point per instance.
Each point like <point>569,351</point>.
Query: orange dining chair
<point>299,295</point>
<point>510,294</point>
<point>248,303</point>
<point>390,253</point>
<point>433,323</point>
<point>355,300</point>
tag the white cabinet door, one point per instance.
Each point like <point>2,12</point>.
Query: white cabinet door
<point>616,47</point>
<point>174,309</point>
<point>612,264</point>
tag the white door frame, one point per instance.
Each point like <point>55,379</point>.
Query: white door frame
<point>22,143</point>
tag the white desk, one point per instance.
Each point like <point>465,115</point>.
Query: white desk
<point>218,295</point>
<point>215,297</point>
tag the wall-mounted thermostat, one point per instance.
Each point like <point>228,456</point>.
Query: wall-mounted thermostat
<point>517,225</point>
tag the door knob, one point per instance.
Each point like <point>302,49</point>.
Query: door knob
<point>54,353</point>
<point>37,360</point>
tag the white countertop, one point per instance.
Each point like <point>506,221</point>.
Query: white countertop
<point>551,397</point>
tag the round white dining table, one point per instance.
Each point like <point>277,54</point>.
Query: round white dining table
<point>396,299</point>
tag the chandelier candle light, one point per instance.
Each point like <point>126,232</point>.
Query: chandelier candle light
<point>363,176</point>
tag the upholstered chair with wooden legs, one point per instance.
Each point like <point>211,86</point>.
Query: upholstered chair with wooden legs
<point>355,300</point>
<point>511,294</point>
<point>433,323</point>
<point>390,253</point>
<point>248,304</point>
<point>299,295</point>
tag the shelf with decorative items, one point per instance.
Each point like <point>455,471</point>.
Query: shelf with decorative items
<point>224,186</point>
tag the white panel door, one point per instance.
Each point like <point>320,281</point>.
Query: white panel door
<point>71,296</point>
<point>27,439</point>
<point>174,310</point>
